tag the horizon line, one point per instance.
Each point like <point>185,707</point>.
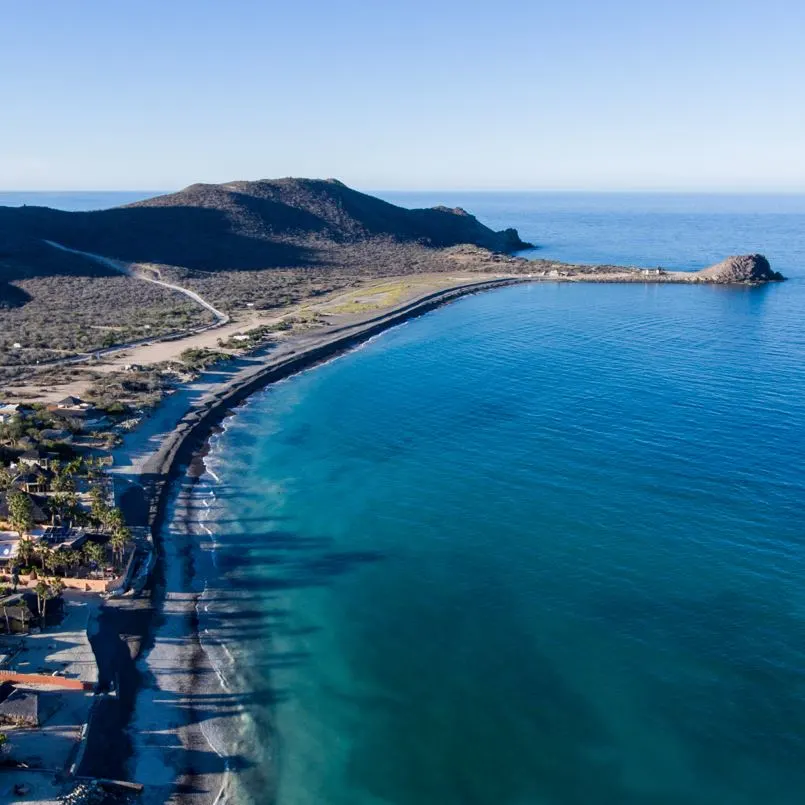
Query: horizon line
<point>636,190</point>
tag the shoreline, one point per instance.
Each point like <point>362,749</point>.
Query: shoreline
<point>175,465</point>
<point>173,663</point>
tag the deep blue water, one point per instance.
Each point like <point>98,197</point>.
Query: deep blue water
<point>543,546</point>
<point>673,230</point>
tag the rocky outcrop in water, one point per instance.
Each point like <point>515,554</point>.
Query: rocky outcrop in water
<point>750,269</point>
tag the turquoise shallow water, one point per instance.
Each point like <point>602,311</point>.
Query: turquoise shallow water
<point>543,546</point>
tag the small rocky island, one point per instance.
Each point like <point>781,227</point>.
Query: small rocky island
<point>745,269</point>
<point>750,269</point>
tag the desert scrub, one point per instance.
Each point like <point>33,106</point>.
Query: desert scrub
<point>197,359</point>
<point>69,315</point>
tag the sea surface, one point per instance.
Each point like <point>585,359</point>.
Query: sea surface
<point>544,546</point>
<point>73,200</point>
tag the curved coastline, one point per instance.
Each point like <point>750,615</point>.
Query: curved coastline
<point>147,500</point>
<point>183,444</point>
<point>179,460</point>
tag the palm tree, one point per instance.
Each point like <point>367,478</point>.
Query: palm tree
<point>6,478</point>
<point>73,467</point>
<point>25,551</point>
<point>65,504</point>
<point>118,541</point>
<point>95,552</point>
<point>70,559</point>
<point>98,508</point>
<point>63,481</point>
<point>20,513</point>
<point>42,591</point>
<point>56,587</point>
<point>53,560</point>
<point>41,552</point>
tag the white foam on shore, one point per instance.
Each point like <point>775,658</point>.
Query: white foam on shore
<point>220,658</point>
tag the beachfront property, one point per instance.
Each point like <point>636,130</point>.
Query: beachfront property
<point>36,457</point>
<point>56,435</point>
<point>70,404</point>
<point>34,482</point>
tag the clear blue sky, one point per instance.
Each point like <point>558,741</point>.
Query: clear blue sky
<point>577,94</point>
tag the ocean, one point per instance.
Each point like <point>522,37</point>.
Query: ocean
<point>543,546</point>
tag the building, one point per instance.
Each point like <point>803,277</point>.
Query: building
<point>16,615</point>
<point>37,458</point>
<point>56,435</point>
<point>71,408</point>
<point>71,402</point>
<point>96,423</point>
<point>34,481</point>
<point>18,707</point>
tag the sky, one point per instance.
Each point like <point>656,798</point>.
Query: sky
<point>571,94</point>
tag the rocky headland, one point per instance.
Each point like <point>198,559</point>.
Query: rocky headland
<point>750,269</point>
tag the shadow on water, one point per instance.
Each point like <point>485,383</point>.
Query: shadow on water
<point>240,607</point>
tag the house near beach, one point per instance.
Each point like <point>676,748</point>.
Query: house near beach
<point>70,402</point>
<point>17,614</point>
<point>37,458</point>
<point>56,435</point>
<point>72,408</point>
<point>34,482</point>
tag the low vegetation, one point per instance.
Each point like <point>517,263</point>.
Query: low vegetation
<point>198,359</point>
<point>69,315</point>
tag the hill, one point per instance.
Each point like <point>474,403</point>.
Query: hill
<point>247,225</point>
<point>243,244</point>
